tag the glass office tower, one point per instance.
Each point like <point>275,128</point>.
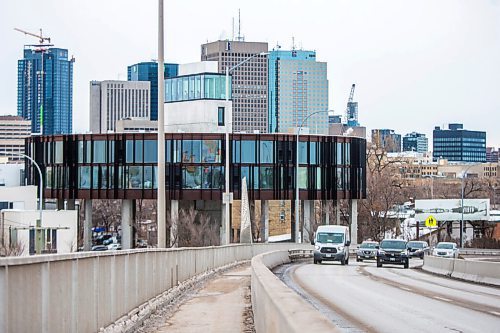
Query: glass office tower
<point>48,103</point>
<point>458,145</point>
<point>148,71</point>
<point>298,87</point>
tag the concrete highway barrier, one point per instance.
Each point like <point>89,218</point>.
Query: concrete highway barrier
<point>276,307</point>
<point>469,270</point>
<point>87,291</point>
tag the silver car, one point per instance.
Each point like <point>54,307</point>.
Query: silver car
<point>367,250</point>
<point>446,250</point>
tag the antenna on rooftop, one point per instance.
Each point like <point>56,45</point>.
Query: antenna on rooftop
<point>240,38</point>
<point>293,43</point>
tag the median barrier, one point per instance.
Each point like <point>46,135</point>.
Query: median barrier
<point>468,270</point>
<point>89,291</point>
<point>437,265</point>
<point>276,307</point>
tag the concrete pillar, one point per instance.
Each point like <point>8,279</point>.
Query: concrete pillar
<point>174,223</point>
<point>336,208</point>
<point>325,211</point>
<point>128,218</point>
<point>308,218</point>
<point>87,226</point>
<point>70,204</point>
<point>353,220</point>
<point>264,220</point>
<point>60,204</point>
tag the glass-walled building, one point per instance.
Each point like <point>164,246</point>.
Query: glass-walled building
<point>196,87</point>
<point>124,166</point>
<point>459,145</point>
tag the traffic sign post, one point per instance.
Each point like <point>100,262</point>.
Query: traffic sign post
<point>430,221</point>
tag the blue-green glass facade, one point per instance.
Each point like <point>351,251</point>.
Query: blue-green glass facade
<point>298,87</point>
<point>148,71</point>
<point>459,145</point>
<point>195,87</point>
<point>57,94</point>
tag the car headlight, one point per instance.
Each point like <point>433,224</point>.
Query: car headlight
<point>381,252</point>
<point>317,247</point>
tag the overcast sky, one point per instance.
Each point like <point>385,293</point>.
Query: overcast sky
<point>416,64</point>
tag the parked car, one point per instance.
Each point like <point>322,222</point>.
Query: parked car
<point>418,249</point>
<point>99,248</point>
<point>446,250</point>
<point>331,243</point>
<point>367,250</point>
<point>393,251</point>
<point>114,246</point>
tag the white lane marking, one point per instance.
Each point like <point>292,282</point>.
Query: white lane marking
<point>495,313</point>
<point>442,298</point>
<point>404,288</point>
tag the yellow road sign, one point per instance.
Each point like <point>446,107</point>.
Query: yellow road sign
<point>431,221</point>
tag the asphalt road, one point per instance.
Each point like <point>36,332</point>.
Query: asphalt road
<point>363,298</point>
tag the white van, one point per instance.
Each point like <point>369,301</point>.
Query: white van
<point>331,242</point>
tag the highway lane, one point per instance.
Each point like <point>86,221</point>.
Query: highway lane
<point>363,298</point>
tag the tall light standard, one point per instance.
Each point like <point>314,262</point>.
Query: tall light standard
<point>227,195</point>
<point>464,174</point>
<point>160,216</point>
<point>297,201</point>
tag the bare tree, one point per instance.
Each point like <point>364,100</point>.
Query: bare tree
<point>195,229</point>
<point>13,249</point>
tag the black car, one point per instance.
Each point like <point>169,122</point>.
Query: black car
<point>394,252</point>
<point>418,249</point>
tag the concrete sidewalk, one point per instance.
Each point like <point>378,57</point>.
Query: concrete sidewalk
<point>222,304</point>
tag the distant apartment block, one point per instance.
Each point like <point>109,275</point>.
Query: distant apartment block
<point>13,131</point>
<point>415,142</point>
<point>249,81</point>
<point>458,145</point>
<point>111,101</point>
<point>47,103</point>
<point>387,139</point>
<point>491,155</point>
<point>298,87</point>
<point>148,71</point>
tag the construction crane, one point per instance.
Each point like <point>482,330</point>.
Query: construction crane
<point>40,37</point>
<point>351,112</point>
<point>39,48</point>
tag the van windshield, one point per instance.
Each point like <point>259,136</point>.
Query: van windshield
<point>330,237</point>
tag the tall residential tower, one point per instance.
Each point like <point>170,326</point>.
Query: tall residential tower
<point>48,103</point>
<point>298,87</point>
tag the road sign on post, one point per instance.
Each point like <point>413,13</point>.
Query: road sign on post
<point>430,221</point>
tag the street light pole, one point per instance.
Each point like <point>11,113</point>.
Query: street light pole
<point>161,220</point>
<point>297,201</point>
<point>228,120</point>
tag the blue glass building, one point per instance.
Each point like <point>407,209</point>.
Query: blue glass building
<point>415,142</point>
<point>148,71</point>
<point>298,87</point>
<point>48,103</point>
<point>457,144</point>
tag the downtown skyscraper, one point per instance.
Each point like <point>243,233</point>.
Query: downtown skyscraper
<point>45,90</point>
<point>298,87</point>
<point>148,71</point>
<point>249,81</point>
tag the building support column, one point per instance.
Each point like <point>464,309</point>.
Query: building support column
<point>308,218</point>
<point>60,204</point>
<point>174,223</point>
<point>128,218</point>
<point>325,211</point>
<point>336,208</point>
<point>70,204</point>
<point>353,220</point>
<point>87,226</point>
<point>264,221</point>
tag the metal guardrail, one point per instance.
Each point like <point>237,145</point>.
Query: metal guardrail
<point>482,252</point>
<point>295,254</point>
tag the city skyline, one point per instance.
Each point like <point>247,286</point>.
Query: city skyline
<point>416,65</point>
